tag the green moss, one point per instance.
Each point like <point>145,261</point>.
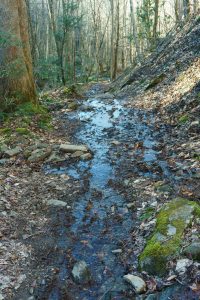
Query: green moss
<point>163,218</point>
<point>159,252</point>
<point>196,156</point>
<point>147,214</point>
<point>73,105</point>
<point>161,247</point>
<point>30,109</point>
<point>5,131</point>
<point>70,90</point>
<point>183,119</point>
<point>197,209</point>
<point>45,123</point>
<point>23,131</point>
<point>3,116</point>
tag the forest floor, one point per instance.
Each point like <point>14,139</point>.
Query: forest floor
<point>74,220</point>
<point>97,204</point>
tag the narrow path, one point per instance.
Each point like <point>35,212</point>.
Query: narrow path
<point>101,228</point>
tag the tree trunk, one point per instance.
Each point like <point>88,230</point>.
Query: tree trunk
<point>59,44</point>
<point>112,40</point>
<point>115,63</point>
<point>15,55</point>
<point>186,8</point>
<point>155,25</point>
<point>134,30</point>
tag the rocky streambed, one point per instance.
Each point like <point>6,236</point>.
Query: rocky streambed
<point>104,239</point>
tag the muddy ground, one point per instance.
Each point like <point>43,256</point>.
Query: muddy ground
<point>112,200</point>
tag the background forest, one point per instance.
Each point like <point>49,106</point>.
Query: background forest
<point>54,42</point>
<point>82,40</point>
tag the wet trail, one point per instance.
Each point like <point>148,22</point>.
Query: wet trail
<point>101,222</point>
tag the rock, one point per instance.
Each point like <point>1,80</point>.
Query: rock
<point>104,96</point>
<point>196,175</point>
<point>39,155</point>
<point>4,161</point>
<point>137,282</point>
<point>86,108</point>
<point>3,148</point>
<point>56,203</point>
<point>117,251</point>
<point>73,105</point>
<point>38,145</point>
<point>73,148</point>
<point>171,230</point>
<point>165,243</point>
<point>113,289</point>
<point>115,143</point>
<point>193,251</point>
<point>13,152</point>
<point>86,156</point>
<point>194,126</point>
<point>130,205</point>
<point>54,157</point>
<point>182,265</point>
<point>152,297</point>
<point>163,188</point>
<point>77,154</point>
<point>81,272</point>
<point>175,291</point>
<point>13,214</point>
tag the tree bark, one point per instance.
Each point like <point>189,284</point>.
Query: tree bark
<point>115,63</point>
<point>134,30</point>
<point>112,39</point>
<point>15,55</point>
<point>155,25</point>
<point>59,44</point>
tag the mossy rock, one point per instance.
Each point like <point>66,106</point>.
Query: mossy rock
<point>193,250</point>
<point>166,240</point>
<point>155,81</point>
<point>147,213</point>
<point>161,187</point>
<point>73,105</point>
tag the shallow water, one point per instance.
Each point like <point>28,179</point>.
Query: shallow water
<point>101,220</point>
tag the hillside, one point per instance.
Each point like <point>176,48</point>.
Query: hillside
<point>168,79</point>
<point>168,84</point>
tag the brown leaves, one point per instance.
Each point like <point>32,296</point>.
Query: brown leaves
<point>195,287</point>
<point>151,284</point>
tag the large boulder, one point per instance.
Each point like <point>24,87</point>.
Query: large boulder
<point>166,240</point>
